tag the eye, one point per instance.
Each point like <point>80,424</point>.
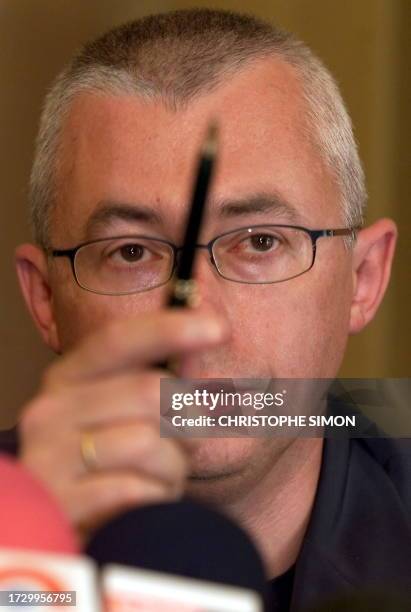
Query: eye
<point>254,245</point>
<point>131,252</point>
<point>262,242</point>
<point>259,243</point>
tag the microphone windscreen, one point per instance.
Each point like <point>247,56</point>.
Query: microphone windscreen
<point>185,539</point>
<point>30,518</point>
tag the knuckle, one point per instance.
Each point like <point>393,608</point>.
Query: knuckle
<point>175,467</point>
<point>126,490</point>
<point>147,388</point>
<point>105,496</point>
<point>34,415</point>
<point>137,490</point>
<point>147,438</point>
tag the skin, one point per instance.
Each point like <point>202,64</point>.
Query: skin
<point>124,149</point>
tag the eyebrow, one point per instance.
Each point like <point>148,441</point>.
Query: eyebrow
<point>258,204</point>
<point>108,211</point>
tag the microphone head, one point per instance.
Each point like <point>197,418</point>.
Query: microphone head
<point>185,539</point>
<point>30,517</point>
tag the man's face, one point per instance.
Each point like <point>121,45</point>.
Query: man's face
<point>124,151</point>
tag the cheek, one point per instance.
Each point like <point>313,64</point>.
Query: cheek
<point>316,330</point>
<point>294,330</point>
<point>79,312</point>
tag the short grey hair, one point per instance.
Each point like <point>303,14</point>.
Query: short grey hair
<point>176,57</point>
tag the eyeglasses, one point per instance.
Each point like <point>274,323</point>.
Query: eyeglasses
<point>258,255</point>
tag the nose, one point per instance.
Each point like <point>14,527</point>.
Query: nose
<point>212,300</point>
<point>199,248</point>
<point>210,285</point>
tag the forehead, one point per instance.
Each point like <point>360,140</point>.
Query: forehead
<point>130,150</point>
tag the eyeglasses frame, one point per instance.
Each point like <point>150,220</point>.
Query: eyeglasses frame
<point>314,235</point>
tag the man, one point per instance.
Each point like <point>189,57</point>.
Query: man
<point>115,160</point>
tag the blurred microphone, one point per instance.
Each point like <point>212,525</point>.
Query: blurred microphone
<point>30,518</point>
<point>182,539</point>
<point>38,560</point>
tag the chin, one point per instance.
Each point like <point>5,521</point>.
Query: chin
<point>223,469</point>
<point>215,457</point>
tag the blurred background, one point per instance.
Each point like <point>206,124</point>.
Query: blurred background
<point>366,46</point>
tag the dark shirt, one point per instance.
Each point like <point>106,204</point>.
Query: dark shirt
<point>281,591</point>
<point>358,540</point>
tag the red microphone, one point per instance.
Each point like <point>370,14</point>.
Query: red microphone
<point>39,560</point>
<point>30,518</point>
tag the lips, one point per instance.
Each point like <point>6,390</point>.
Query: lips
<point>215,399</point>
<point>252,385</point>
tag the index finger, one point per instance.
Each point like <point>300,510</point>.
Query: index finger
<point>136,342</point>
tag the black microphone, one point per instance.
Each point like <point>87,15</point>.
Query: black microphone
<point>185,539</point>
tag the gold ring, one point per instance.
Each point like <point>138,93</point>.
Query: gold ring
<point>88,451</point>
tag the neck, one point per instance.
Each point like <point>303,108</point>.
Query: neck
<point>276,512</point>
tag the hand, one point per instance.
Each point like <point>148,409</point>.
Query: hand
<point>107,388</point>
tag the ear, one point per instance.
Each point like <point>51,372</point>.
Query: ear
<point>33,275</point>
<point>372,260</point>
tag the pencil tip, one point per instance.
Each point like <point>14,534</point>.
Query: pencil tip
<point>211,141</point>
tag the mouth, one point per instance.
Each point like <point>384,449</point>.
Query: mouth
<point>252,385</point>
<point>223,395</point>
<point>229,384</point>
<point>240,387</point>
<point>209,407</point>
